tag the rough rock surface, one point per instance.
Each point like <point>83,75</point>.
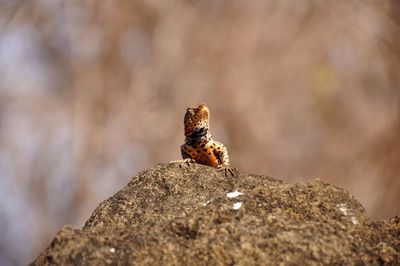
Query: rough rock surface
<point>178,214</point>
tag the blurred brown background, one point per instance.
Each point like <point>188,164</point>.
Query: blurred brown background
<point>92,92</point>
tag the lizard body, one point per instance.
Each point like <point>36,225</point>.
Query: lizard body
<point>199,144</point>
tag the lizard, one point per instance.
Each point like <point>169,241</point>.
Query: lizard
<point>199,146</point>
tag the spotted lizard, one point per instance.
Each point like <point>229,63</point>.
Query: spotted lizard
<point>199,145</point>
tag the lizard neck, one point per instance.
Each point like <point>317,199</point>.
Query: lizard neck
<point>198,136</point>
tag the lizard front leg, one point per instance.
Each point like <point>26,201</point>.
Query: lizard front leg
<point>184,154</point>
<point>186,159</point>
<point>221,152</point>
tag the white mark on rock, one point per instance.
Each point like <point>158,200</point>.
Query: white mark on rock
<point>353,220</point>
<point>112,250</point>
<point>342,207</point>
<point>237,205</point>
<point>233,194</point>
<point>208,201</point>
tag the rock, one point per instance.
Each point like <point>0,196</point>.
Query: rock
<point>181,214</point>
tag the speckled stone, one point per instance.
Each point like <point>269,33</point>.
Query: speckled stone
<point>175,214</point>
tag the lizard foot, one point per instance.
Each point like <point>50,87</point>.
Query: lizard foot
<point>227,170</point>
<point>182,162</point>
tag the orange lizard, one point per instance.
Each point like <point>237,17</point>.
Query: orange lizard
<point>199,146</point>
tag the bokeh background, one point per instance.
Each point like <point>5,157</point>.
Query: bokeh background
<point>92,92</point>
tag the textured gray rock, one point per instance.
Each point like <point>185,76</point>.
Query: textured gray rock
<point>180,214</point>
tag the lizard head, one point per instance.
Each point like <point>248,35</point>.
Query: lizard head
<point>196,120</point>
